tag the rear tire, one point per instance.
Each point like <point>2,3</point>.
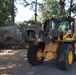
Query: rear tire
<point>65,57</point>
<point>32,54</point>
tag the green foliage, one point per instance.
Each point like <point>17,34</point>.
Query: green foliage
<point>31,22</point>
<point>49,8</point>
<point>70,7</point>
<point>26,3</point>
<point>73,9</point>
<point>5,9</point>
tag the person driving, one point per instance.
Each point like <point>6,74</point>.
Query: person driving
<point>62,26</point>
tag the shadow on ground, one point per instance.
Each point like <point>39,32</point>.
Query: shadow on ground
<point>47,68</point>
<point>13,61</point>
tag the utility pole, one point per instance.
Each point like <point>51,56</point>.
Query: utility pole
<point>36,25</point>
<point>36,12</point>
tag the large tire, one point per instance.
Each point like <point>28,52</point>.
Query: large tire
<point>32,54</point>
<point>65,57</point>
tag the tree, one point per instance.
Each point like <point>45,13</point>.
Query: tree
<point>12,10</point>
<point>49,8</point>
<point>62,7</point>
<point>4,14</point>
<point>33,5</point>
<point>12,13</point>
<point>6,11</point>
<point>56,8</point>
<point>72,8</point>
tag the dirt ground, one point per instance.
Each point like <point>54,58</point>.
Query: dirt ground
<point>12,61</point>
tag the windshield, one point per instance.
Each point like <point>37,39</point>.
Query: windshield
<point>62,25</point>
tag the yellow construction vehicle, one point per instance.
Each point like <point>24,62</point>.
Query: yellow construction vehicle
<point>58,42</point>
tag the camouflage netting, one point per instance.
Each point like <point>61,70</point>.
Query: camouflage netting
<point>10,34</point>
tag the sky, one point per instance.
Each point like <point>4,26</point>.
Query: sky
<point>23,13</point>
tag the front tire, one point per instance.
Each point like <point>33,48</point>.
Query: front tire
<point>34,54</point>
<point>65,57</point>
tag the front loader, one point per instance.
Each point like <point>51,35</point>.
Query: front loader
<point>58,42</point>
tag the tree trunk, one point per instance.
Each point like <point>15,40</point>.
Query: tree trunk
<point>62,9</point>
<point>12,12</point>
<point>71,2</point>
